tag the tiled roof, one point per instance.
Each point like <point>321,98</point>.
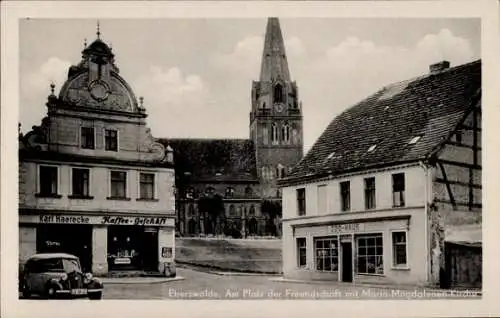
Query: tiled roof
<point>430,106</point>
<point>221,160</point>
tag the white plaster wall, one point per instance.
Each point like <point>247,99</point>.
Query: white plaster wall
<point>100,189</point>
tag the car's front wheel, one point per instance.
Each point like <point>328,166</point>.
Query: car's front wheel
<point>50,292</point>
<point>95,295</point>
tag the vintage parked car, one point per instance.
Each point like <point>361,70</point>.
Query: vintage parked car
<point>52,275</point>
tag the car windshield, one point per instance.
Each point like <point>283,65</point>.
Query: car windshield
<point>48,265</point>
<point>71,265</point>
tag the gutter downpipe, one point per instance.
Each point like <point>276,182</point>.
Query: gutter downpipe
<point>426,211</point>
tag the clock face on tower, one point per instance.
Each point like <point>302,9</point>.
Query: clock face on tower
<point>279,108</point>
<point>99,90</point>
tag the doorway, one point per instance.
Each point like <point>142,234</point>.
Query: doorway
<point>150,250</point>
<point>72,239</point>
<point>346,261</point>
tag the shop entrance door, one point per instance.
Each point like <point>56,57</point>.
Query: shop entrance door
<point>72,239</point>
<point>150,252</point>
<point>346,262</point>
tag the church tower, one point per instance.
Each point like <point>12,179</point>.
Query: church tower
<point>276,116</point>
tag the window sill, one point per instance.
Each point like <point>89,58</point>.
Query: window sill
<point>398,206</point>
<point>147,200</point>
<point>118,198</point>
<point>54,196</point>
<point>81,197</point>
<point>363,274</point>
<point>111,150</point>
<point>400,268</point>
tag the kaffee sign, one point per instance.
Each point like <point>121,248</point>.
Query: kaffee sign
<point>98,220</point>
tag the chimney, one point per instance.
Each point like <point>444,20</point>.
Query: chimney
<point>438,67</point>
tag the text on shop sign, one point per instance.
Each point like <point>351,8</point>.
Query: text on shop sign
<point>108,220</point>
<point>343,228</point>
<point>118,220</point>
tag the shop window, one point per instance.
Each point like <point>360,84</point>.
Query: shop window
<point>48,180</point>
<point>345,194</point>
<point>398,189</point>
<point>80,180</point>
<point>111,140</point>
<point>118,184</point>
<point>399,249</point>
<point>147,186</point>
<point>87,138</point>
<point>327,257</point>
<point>370,255</point>
<point>301,252</point>
<point>301,201</point>
<point>370,193</point>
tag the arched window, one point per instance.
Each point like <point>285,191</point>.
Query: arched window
<point>229,192</point>
<point>248,191</point>
<point>274,133</point>
<point>278,93</point>
<point>252,210</point>
<point>265,135</point>
<point>191,210</point>
<point>232,210</point>
<point>295,136</point>
<point>285,132</point>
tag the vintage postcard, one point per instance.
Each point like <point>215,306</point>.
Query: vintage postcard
<point>236,153</point>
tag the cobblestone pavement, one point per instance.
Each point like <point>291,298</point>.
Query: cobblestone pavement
<point>203,285</point>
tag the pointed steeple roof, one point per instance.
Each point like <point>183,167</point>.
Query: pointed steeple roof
<point>274,60</point>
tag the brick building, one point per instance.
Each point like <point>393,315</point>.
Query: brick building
<point>392,187</point>
<point>228,186</point>
<point>93,182</point>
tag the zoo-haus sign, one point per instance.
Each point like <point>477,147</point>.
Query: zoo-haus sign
<point>98,220</point>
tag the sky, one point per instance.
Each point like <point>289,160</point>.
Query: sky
<point>195,74</point>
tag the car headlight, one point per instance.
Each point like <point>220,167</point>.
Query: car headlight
<point>64,276</point>
<point>88,276</point>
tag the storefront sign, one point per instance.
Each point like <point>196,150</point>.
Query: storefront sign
<point>120,220</point>
<point>64,219</point>
<point>345,228</point>
<point>122,260</point>
<point>97,220</point>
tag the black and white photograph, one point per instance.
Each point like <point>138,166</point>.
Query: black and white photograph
<point>273,156</point>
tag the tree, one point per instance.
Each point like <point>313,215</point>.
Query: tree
<point>273,210</point>
<point>212,206</point>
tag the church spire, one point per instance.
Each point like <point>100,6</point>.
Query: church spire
<point>274,60</point>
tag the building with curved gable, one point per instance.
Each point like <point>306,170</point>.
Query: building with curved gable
<point>93,181</point>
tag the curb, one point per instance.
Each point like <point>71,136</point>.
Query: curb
<point>142,280</point>
<point>240,274</point>
<point>222,271</point>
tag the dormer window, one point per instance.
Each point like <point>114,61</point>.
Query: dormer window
<point>414,140</point>
<point>372,148</point>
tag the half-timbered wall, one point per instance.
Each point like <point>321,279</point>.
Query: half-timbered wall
<point>456,187</point>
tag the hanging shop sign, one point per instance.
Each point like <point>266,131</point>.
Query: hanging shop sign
<point>345,228</point>
<point>149,221</point>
